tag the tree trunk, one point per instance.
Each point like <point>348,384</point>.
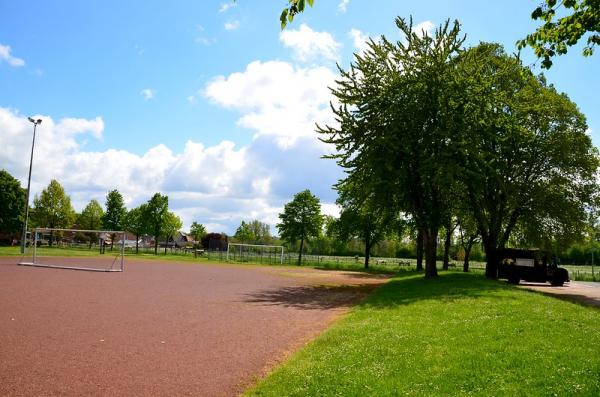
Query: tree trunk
<point>492,258</point>
<point>447,242</point>
<point>51,238</point>
<point>166,244</point>
<point>137,241</point>
<point>155,245</point>
<point>419,250</point>
<point>301,248</point>
<point>367,250</point>
<point>430,245</point>
<point>468,254</point>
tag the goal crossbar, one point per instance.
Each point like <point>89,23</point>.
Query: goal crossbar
<point>112,268</point>
<point>278,247</point>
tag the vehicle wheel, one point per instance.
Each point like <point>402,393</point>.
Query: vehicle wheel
<point>513,280</point>
<point>557,283</point>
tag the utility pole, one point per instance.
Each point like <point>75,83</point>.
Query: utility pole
<point>24,235</point>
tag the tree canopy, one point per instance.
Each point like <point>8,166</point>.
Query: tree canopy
<point>300,220</point>
<point>197,230</point>
<point>136,222</point>
<point>115,211</point>
<point>91,216</point>
<point>395,126</point>
<point>564,24</point>
<point>52,208</point>
<point>154,215</point>
<point>12,203</point>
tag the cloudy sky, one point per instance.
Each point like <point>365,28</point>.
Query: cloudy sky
<point>209,102</point>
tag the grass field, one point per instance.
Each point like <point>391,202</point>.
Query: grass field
<point>457,335</point>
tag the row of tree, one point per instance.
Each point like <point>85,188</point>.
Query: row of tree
<point>52,209</point>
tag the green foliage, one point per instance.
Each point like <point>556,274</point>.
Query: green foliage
<point>91,216</point>
<point>53,208</point>
<point>396,124</point>
<point>526,160</point>
<point>170,226</point>
<point>136,222</point>
<point>115,211</point>
<point>12,203</point>
<point>293,8</point>
<point>301,219</point>
<point>244,234</point>
<point>497,340</point>
<point>154,215</point>
<point>197,231</point>
<point>558,32</point>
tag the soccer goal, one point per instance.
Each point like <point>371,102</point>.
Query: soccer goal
<point>76,249</point>
<point>256,253</point>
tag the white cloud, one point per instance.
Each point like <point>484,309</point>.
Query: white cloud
<point>309,45</point>
<point>232,25</point>
<point>205,40</point>
<point>7,57</point>
<point>423,28</point>
<point>216,185</point>
<point>360,40</point>
<point>343,6</point>
<point>226,6</point>
<point>277,99</point>
<point>148,93</point>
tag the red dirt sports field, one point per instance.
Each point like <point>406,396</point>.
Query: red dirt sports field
<point>160,328</point>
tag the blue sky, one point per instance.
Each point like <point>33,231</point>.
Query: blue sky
<point>208,101</point>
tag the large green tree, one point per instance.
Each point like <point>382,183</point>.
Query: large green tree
<point>154,215</point>
<point>300,220</point>
<point>523,149</point>
<point>564,23</point>
<point>52,208</point>
<point>135,221</point>
<point>261,231</point>
<point>396,124</point>
<point>12,203</point>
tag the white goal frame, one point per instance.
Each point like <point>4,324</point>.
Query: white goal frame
<point>120,255</point>
<point>229,245</point>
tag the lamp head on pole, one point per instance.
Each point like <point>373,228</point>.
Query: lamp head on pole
<point>36,122</point>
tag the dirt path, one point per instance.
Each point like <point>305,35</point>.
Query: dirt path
<point>578,291</point>
<point>160,328</point>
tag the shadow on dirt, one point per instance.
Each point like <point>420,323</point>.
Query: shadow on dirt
<point>312,297</point>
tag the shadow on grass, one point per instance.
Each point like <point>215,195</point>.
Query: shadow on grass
<point>409,288</point>
<point>311,297</point>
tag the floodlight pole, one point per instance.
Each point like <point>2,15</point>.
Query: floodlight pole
<point>24,235</point>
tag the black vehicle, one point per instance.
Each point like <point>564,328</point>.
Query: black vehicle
<point>530,265</point>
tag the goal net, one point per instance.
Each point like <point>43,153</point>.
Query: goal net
<point>76,249</point>
<point>255,253</point>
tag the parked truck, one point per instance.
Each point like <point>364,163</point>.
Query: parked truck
<point>530,265</point>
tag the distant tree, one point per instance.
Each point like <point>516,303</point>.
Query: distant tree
<point>155,212</point>
<point>212,240</point>
<point>171,225</point>
<point>12,203</point>
<point>558,33</point>
<point>53,208</point>
<point>197,231</point>
<point>115,212</point>
<point>244,233</point>
<point>136,222</point>
<point>301,220</point>
<point>91,218</point>
<point>261,231</point>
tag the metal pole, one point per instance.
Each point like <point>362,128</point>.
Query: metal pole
<point>35,232</point>
<point>122,250</point>
<point>24,235</point>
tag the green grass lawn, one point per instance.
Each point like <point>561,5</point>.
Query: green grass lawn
<point>457,335</point>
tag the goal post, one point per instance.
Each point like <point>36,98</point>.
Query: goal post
<point>254,253</point>
<point>78,246</point>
